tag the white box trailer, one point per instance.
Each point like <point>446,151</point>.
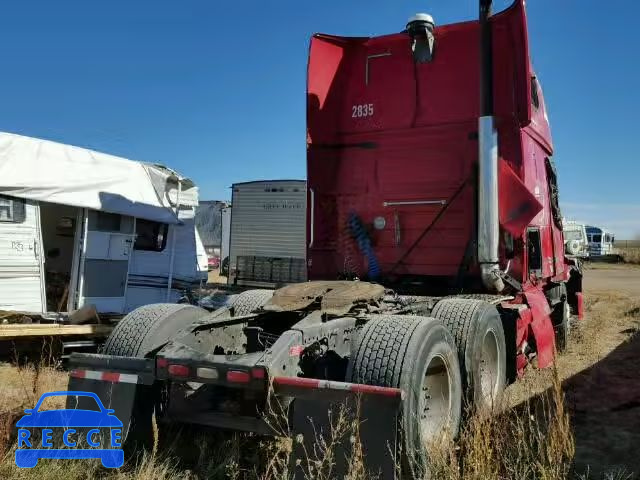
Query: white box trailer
<point>81,228</point>
<point>268,233</point>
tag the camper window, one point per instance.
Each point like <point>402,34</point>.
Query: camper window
<point>150,235</point>
<point>12,209</point>
<point>107,222</point>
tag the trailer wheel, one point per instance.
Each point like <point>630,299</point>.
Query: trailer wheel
<point>418,355</point>
<point>249,301</point>
<point>477,329</point>
<point>136,335</point>
<point>147,327</point>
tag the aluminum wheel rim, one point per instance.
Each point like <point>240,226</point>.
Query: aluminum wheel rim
<point>489,367</point>
<point>436,398</point>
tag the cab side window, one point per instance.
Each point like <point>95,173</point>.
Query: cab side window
<point>534,250</point>
<point>535,99</point>
<point>554,195</point>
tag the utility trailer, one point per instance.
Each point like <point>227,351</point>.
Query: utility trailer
<point>435,253</point>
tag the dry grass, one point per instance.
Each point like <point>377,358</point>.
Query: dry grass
<point>607,326</point>
<point>631,255</point>
<point>21,387</point>
<point>531,438</point>
<point>531,441</point>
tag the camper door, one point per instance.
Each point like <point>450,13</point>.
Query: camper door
<point>21,269</point>
<point>106,248</point>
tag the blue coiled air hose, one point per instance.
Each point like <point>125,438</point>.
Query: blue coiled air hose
<point>361,236</point>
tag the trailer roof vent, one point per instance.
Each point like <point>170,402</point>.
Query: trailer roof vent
<point>420,29</point>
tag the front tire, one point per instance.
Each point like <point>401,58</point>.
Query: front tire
<point>417,355</point>
<point>561,317</point>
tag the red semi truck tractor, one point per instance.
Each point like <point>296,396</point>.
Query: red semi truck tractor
<point>436,260</point>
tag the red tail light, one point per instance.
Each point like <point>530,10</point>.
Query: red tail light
<point>178,370</point>
<point>235,376</point>
<point>162,363</point>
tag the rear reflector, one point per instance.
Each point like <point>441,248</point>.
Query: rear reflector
<point>314,384</point>
<point>112,377</point>
<point>258,373</point>
<point>296,350</point>
<point>208,373</point>
<point>178,370</point>
<point>162,363</point>
<point>235,376</point>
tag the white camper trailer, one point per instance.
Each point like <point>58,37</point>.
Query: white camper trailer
<point>81,228</point>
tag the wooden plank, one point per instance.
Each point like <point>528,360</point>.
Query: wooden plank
<point>41,330</point>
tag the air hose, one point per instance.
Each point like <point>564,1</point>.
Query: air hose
<point>361,236</point>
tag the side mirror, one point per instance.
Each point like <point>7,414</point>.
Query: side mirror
<point>28,411</point>
<point>109,411</point>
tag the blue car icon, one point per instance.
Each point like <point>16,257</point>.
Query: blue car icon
<point>76,426</point>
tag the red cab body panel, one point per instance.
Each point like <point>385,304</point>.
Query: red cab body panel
<point>395,143</point>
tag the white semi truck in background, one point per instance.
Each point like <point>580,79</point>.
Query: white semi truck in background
<point>576,242</point>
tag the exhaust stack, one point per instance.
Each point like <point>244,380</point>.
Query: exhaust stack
<point>488,219</point>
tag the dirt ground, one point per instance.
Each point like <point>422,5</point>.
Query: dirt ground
<point>215,277</point>
<point>601,374</point>
<point>615,277</point>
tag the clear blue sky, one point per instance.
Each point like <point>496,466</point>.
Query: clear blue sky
<point>217,89</point>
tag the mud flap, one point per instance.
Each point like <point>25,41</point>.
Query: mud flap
<point>116,380</point>
<point>541,326</point>
<point>338,427</point>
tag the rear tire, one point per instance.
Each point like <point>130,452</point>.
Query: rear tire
<point>417,355</point>
<point>139,333</point>
<point>249,301</point>
<point>477,329</point>
<point>148,327</point>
